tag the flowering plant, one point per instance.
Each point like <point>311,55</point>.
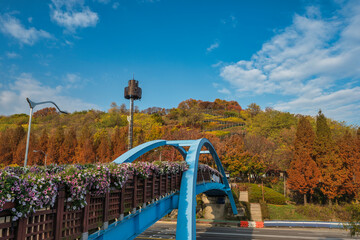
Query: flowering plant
<point>29,191</point>
<point>119,174</point>
<point>75,184</point>
<point>32,188</point>
<point>206,168</point>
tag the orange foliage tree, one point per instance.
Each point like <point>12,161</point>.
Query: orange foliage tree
<point>68,147</point>
<point>303,172</point>
<point>240,162</point>
<point>331,166</point>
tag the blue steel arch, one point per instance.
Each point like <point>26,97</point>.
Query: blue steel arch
<point>186,221</point>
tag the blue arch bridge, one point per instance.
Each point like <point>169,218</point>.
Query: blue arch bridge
<point>184,200</point>
<point>147,199</point>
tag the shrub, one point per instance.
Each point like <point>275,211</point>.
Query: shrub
<point>324,213</point>
<point>271,196</point>
<point>354,225</point>
<point>264,211</point>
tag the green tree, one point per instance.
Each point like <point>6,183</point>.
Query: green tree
<point>323,142</point>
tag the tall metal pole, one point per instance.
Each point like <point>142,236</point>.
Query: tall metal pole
<point>132,92</point>
<point>131,122</point>
<point>28,137</point>
<point>32,105</point>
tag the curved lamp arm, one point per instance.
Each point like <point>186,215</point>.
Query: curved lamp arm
<point>33,104</point>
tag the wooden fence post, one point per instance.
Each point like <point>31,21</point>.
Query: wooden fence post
<point>85,219</point>
<point>153,187</point>
<point>160,184</point>
<point>60,204</point>
<point>134,202</point>
<point>21,229</point>
<point>122,197</point>
<point>176,180</point>
<point>145,191</point>
<point>106,210</point>
<point>166,183</point>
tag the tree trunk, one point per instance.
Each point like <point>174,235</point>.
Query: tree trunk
<point>305,200</point>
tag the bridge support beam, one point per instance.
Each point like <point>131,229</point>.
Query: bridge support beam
<point>134,224</point>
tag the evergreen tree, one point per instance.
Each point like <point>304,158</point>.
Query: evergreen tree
<point>323,142</point>
<point>303,173</point>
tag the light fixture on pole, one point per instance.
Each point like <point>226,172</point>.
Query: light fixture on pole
<point>42,153</point>
<point>32,105</point>
<point>132,92</point>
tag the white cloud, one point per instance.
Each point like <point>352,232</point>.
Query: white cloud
<point>212,47</point>
<point>72,14</point>
<point>230,20</point>
<point>115,5</point>
<point>104,1</point>
<point>219,63</point>
<point>11,26</point>
<point>314,61</point>
<point>73,80</point>
<point>12,99</point>
<point>224,91</point>
<point>12,55</point>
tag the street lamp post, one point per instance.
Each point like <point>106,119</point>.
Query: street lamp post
<point>42,153</point>
<point>32,105</point>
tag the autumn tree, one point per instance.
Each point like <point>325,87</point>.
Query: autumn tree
<point>118,141</point>
<point>45,112</point>
<point>54,148</point>
<point>6,149</point>
<point>350,156</point>
<point>103,146</point>
<point>85,150</point>
<point>68,147</point>
<point>253,109</point>
<point>330,165</point>
<point>42,147</point>
<point>303,173</point>
<point>240,162</point>
<point>263,148</point>
<point>10,139</point>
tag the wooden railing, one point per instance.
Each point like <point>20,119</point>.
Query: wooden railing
<point>62,223</point>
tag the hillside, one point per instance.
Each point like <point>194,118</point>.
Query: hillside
<point>90,136</point>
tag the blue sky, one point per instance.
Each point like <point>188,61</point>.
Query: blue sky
<point>296,56</point>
